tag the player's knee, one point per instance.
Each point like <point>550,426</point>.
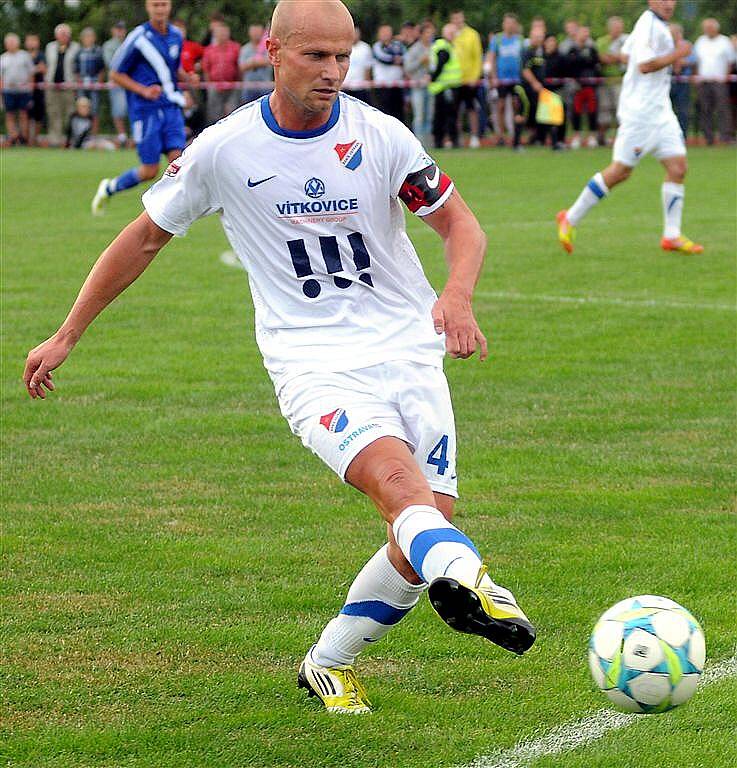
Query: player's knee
<point>148,172</point>
<point>399,486</point>
<point>623,173</point>
<point>677,171</point>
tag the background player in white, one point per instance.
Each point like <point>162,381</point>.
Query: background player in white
<point>307,181</point>
<point>647,124</point>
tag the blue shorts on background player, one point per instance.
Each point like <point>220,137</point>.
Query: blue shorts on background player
<point>147,66</point>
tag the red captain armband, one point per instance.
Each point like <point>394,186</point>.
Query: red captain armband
<point>423,188</point>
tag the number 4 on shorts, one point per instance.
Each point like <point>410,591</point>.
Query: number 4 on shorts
<point>439,455</point>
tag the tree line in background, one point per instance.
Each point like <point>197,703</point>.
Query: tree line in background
<point>484,15</point>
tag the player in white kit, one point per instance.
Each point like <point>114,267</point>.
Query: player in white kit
<point>307,182</point>
<point>647,124</point>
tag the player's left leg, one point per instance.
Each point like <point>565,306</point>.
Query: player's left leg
<point>596,189</point>
<point>672,196</point>
<point>384,592</point>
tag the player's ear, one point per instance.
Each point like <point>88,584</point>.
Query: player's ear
<point>273,48</point>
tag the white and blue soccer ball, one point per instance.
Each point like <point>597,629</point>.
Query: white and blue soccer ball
<point>646,654</point>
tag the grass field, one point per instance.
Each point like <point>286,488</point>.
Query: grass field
<point>170,550</point>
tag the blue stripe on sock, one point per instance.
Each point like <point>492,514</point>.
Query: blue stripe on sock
<point>425,541</point>
<point>596,189</point>
<point>383,613</point>
<point>673,202</point>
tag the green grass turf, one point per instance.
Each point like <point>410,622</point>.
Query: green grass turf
<point>170,550</point>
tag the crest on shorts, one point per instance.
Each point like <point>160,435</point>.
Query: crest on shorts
<point>349,154</point>
<point>336,421</point>
<point>638,151</point>
<point>173,168</point>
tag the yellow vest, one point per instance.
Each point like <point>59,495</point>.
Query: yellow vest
<point>450,77</point>
<point>470,52</point>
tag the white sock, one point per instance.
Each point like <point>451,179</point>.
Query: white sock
<point>594,191</point>
<point>434,546</point>
<point>672,196</point>
<point>377,600</point>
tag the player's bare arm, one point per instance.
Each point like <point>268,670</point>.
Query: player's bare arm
<point>465,247</point>
<point>682,51</point>
<point>119,265</point>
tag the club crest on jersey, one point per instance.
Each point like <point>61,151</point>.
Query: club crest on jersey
<point>172,169</point>
<point>349,154</point>
<point>336,421</point>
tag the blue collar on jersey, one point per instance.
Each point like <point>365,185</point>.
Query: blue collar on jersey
<point>656,14</point>
<point>270,121</point>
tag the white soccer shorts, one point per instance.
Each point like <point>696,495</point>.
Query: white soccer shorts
<point>635,140</point>
<point>338,414</point>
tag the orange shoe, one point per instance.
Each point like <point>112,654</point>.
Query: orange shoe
<point>681,244</point>
<point>566,231</point>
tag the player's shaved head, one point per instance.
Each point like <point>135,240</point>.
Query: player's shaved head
<point>309,46</point>
<point>308,18</point>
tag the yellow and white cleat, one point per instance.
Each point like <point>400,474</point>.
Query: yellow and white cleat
<point>489,611</point>
<point>337,687</point>
<point>681,244</point>
<point>101,197</point>
<point>566,231</point>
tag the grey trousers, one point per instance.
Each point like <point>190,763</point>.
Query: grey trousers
<point>714,105</point>
<point>59,106</point>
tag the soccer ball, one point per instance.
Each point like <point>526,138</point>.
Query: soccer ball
<point>646,654</point>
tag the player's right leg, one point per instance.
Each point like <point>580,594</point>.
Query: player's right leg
<point>439,553</point>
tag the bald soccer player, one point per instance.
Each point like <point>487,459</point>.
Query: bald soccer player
<point>308,182</point>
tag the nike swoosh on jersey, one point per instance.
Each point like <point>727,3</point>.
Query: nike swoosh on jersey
<point>260,181</point>
<point>435,180</point>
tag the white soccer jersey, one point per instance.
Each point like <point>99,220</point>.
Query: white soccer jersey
<point>315,219</point>
<point>646,98</point>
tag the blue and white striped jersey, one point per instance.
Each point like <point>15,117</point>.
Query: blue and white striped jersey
<point>150,58</point>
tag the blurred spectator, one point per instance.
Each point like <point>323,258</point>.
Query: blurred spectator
<point>16,78</point>
<point>37,111</point>
<point>359,70</point>
<point>191,51</point>
<point>116,94</point>
<point>215,18</point>
<point>220,65</point>
<point>79,128</point>
<point>253,63</point>
<point>538,24</point>
<point>614,63</point>
<point>470,52</point>
<point>409,32</point>
<point>60,56</point>
<point>89,67</point>
<point>505,59</point>
<point>446,78</point>
<point>583,63</point>
<point>570,27</point>
<point>533,74</point>
<point>417,67</point>
<point>714,58</point>
<point>680,92</point>
<point>388,61</point>
<point>556,68</point>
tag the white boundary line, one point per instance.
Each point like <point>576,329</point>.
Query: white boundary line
<point>565,738</point>
<point>231,260</point>
<point>614,301</point>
